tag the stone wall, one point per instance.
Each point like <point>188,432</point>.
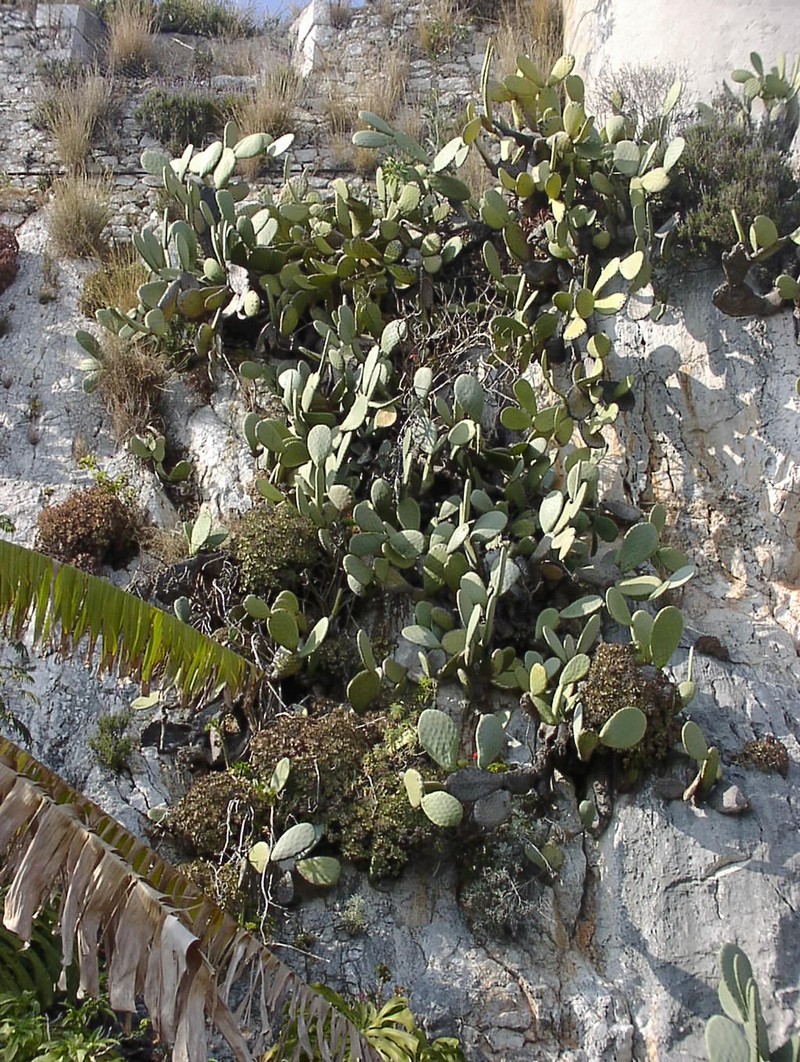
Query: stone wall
<point>343,63</point>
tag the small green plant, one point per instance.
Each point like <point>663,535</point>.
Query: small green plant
<point>390,1029</point>
<point>204,18</point>
<point>353,918</point>
<point>177,117</point>
<point>740,1034</point>
<point>111,744</point>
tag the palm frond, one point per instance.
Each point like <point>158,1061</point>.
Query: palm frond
<point>64,606</point>
<point>163,940</point>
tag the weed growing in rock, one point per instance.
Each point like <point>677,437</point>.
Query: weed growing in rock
<point>79,215</point>
<point>111,744</point>
<point>71,112</point>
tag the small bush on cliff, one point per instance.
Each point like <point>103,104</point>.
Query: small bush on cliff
<point>732,163</point>
<point>175,118</point>
<point>91,527</point>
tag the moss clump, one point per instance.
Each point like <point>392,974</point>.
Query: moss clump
<point>91,527</point>
<point>767,754</point>
<point>347,775</point>
<point>221,882</point>
<point>615,681</point>
<point>214,812</point>
<point>275,547</point>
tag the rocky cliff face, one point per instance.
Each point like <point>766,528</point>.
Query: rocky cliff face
<point>616,959</point>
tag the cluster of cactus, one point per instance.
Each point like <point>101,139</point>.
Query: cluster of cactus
<point>291,850</point>
<point>413,484</point>
<point>287,627</point>
<point>200,534</point>
<point>153,447</point>
<point>777,88</point>
<point>740,1034</point>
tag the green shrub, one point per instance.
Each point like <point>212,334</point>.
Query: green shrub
<point>176,118</point>
<point>111,744</point>
<point>732,163</point>
<point>203,18</point>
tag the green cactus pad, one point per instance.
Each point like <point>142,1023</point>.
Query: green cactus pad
<point>624,729</point>
<point>297,840</point>
<point>489,739</point>
<point>442,809</point>
<point>320,870</point>
<point>725,1042</point>
<point>412,780</point>
<point>694,741</point>
<point>439,737</point>
<point>666,635</point>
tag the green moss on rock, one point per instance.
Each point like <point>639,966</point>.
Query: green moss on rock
<point>275,547</point>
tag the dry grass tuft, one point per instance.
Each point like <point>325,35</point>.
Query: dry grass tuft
<point>130,385</point>
<point>269,109</point>
<point>384,90</point>
<point>439,27</point>
<point>341,13</point>
<point>129,45</point>
<point>72,114</point>
<point>530,27</point>
<point>116,284</point>
<point>79,214</point>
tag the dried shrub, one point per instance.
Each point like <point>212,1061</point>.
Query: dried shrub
<point>91,527</point>
<point>79,214</point>
<point>768,754</point>
<point>129,44</point>
<point>213,812</point>
<point>129,382</point>
<point>9,250</point>
<point>615,680</point>
<point>384,89</point>
<point>72,111</point>
<point>532,27</point>
<point>341,13</point>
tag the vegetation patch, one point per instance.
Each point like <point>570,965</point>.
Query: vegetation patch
<point>276,549</point>
<point>768,754</point>
<point>175,118</point>
<point>111,744</point>
<point>90,528</point>
<point>79,215</point>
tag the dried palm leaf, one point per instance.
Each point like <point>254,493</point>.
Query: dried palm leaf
<point>163,940</point>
